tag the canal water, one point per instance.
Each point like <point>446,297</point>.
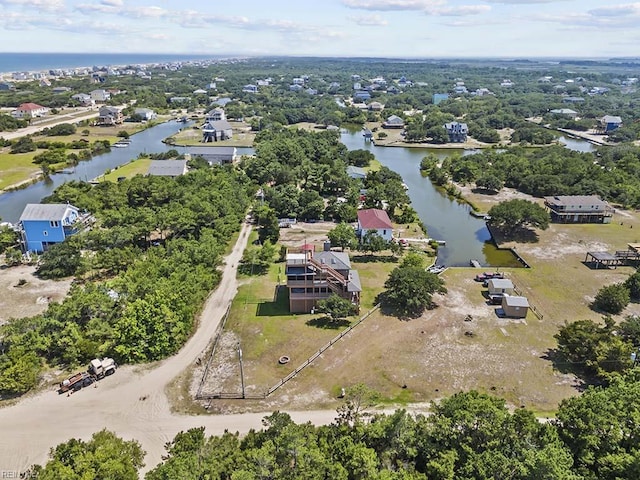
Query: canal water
<point>148,141</point>
<point>446,219</point>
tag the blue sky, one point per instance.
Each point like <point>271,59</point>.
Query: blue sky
<point>396,28</point>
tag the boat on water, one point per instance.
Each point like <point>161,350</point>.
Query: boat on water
<point>121,144</point>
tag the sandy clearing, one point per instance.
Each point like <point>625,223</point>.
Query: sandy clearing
<point>131,403</point>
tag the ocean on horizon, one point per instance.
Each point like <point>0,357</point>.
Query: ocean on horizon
<point>30,62</point>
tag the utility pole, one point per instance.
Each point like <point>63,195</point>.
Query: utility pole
<point>241,370</point>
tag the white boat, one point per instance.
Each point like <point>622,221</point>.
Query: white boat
<point>120,144</point>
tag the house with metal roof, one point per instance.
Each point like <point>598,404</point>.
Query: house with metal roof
<point>515,306</point>
<point>358,173</point>
<point>377,220</point>
<point>215,155</point>
<point>457,131</point>
<point>578,209</point>
<point>42,225</point>
<point>498,286</point>
<point>610,122</point>
<point>216,130</point>
<point>167,168</point>
<point>314,276</point>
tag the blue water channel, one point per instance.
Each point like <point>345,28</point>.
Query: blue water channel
<point>446,219</point>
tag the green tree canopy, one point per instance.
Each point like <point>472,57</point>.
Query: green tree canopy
<point>409,290</point>
<point>514,215</point>
<point>343,236</point>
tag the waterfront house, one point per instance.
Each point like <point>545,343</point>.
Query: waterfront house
<point>457,132</point>
<point>356,172</point>
<point>393,121</point>
<point>515,306</point>
<point>578,209</point>
<point>29,110</point>
<point>609,123</point>
<point>145,113</point>
<point>216,115</point>
<point>216,131</point>
<point>315,276</point>
<point>167,168</point>
<point>377,220</point>
<point>215,155</point>
<point>110,116</point>
<point>42,225</point>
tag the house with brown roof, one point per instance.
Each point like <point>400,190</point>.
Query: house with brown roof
<point>314,276</point>
<point>29,110</point>
<point>377,220</point>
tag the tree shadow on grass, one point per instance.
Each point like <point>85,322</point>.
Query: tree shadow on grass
<point>521,235</point>
<point>276,308</point>
<point>484,191</point>
<point>562,365</point>
<point>327,323</point>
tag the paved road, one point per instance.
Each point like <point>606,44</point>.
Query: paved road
<point>132,402</point>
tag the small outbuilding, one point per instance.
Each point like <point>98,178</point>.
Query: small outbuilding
<point>499,286</point>
<point>514,306</point>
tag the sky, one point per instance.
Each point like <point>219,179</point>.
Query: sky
<point>346,28</point>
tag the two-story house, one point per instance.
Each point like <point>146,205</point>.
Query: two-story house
<point>42,225</point>
<point>29,110</point>
<point>315,276</point>
<point>578,209</point>
<point>377,220</point>
<point>100,95</point>
<point>110,116</point>
<point>457,131</point>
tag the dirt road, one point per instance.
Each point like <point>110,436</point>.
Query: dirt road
<point>132,402</point>
<point>68,118</point>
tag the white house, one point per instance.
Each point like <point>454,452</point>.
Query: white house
<point>100,95</point>
<point>29,110</point>
<point>84,99</point>
<point>145,113</point>
<point>377,220</point>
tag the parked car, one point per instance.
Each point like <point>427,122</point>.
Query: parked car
<point>482,277</point>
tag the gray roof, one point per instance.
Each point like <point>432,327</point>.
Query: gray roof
<point>336,260</point>
<point>167,168</point>
<point>45,211</point>
<point>611,119</point>
<point>500,283</point>
<point>218,125</point>
<point>212,151</point>
<point>513,301</point>
<point>354,171</point>
<point>354,284</point>
<point>573,200</point>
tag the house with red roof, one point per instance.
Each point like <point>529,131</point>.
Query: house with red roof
<point>375,219</point>
<point>29,110</point>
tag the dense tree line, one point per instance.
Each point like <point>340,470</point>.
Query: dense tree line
<point>469,435</point>
<point>304,175</point>
<point>143,272</point>
<point>611,173</point>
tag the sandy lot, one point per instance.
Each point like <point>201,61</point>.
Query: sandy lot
<point>31,298</point>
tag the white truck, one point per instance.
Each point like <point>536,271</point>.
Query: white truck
<point>97,370</point>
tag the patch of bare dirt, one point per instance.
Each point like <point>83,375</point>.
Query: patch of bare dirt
<point>25,295</point>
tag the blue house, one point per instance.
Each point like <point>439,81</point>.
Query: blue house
<point>610,123</point>
<point>42,225</point>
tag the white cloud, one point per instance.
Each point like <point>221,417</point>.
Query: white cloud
<point>368,20</point>
<point>460,11</point>
<point>49,5</point>
<point>616,10</point>
<point>145,12</point>
<point>523,2</point>
<point>383,5</point>
<point>112,3</point>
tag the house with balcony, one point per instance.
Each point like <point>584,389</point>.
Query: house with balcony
<point>457,132</point>
<point>314,276</point>
<point>42,225</point>
<point>216,131</point>
<point>609,123</point>
<point>578,209</point>
<point>110,116</point>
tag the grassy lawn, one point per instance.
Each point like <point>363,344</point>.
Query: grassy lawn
<point>139,166</point>
<point>242,137</point>
<point>16,168</point>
